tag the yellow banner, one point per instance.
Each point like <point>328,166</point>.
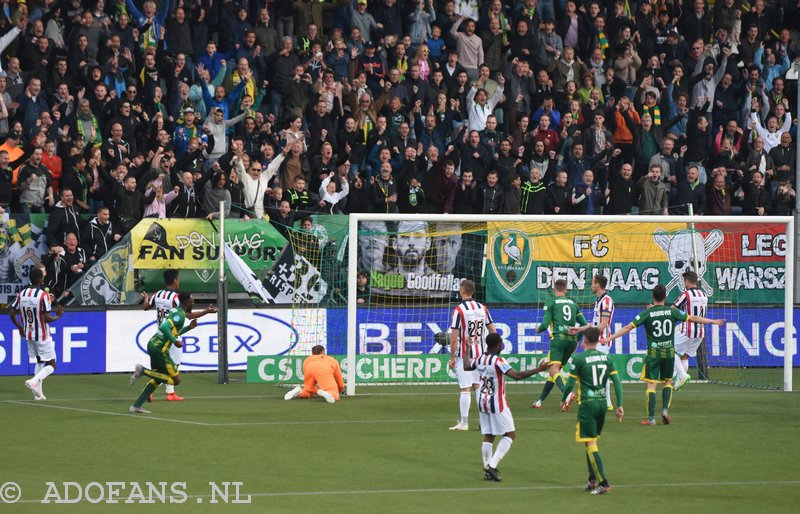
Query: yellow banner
<point>585,242</point>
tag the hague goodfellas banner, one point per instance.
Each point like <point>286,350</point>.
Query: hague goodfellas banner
<point>737,263</point>
<point>194,244</point>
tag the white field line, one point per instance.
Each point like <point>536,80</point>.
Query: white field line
<point>243,495</point>
<point>315,422</point>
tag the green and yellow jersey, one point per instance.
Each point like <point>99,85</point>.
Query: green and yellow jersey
<point>170,329</point>
<point>591,370</point>
<point>561,314</point>
<point>659,327</point>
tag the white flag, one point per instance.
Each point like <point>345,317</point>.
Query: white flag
<point>245,276</point>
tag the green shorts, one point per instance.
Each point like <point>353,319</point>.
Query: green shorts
<point>657,369</point>
<point>561,349</point>
<point>591,418</point>
<point>160,360</point>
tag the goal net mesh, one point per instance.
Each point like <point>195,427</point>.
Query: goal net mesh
<point>409,274</point>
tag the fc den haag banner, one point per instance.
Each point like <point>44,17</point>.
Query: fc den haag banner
<point>739,263</point>
<point>194,243</point>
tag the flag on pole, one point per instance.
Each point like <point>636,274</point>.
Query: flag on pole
<point>245,276</point>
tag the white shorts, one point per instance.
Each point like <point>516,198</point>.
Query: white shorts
<point>604,348</point>
<point>465,378</point>
<point>42,350</point>
<point>687,345</point>
<point>176,354</point>
<point>497,423</point>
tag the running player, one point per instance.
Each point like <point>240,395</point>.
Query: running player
<point>659,322</point>
<point>560,314</point>
<point>495,415</point>
<point>468,325</point>
<point>601,318</point>
<point>33,306</point>
<point>163,301</point>
<point>690,335</point>
<point>592,369</point>
<point>163,369</point>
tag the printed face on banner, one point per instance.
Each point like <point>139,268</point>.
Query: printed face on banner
<point>419,260</point>
<point>511,257</point>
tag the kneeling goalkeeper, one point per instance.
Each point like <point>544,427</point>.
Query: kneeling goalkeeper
<point>322,376</point>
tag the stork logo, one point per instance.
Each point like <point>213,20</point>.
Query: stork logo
<point>511,257</point>
<point>680,247</point>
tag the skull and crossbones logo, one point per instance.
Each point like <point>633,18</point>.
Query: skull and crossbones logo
<point>678,247</point>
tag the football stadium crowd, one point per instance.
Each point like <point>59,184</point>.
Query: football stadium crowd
<point>280,108</point>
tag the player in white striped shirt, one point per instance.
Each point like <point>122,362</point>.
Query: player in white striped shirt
<point>689,336</point>
<point>33,306</point>
<point>495,415</point>
<point>602,316</point>
<point>469,324</point>
<point>163,301</point>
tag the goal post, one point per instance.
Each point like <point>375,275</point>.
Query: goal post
<point>746,263</point>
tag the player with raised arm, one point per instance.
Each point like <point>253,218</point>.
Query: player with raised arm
<point>162,368</point>
<point>592,370</point>
<point>163,301</point>
<point>602,315</point>
<point>690,335</point>
<point>468,325</point>
<point>659,326</point>
<point>560,315</point>
<point>495,415</point>
<point>33,306</point>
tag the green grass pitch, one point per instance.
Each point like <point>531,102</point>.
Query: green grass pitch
<point>388,450</point>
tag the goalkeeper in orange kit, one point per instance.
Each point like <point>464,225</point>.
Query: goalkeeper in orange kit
<point>323,376</point>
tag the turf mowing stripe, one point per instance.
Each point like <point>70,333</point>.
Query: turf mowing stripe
<point>499,489</point>
<point>91,411</point>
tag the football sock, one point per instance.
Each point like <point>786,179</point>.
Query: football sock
<point>146,392</point>
<point>666,397</point>
<point>596,463</point>
<point>36,370</point>
<point>158,377</point>
<point>685,365</point>
<point>560,382</point>
<point>651,403</point>
<point>170,389</point>
<point>548,386</point>
<point>679,371</point>
<point>592,475</point>
<point>43,373</point>
<point>486,452</point>
<point>463,404</point>
<point>502,448</point>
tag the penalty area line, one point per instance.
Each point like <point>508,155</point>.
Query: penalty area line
<point>107,413</point>
<point>483,490</point>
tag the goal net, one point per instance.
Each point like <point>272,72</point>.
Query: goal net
<point>403,274</point>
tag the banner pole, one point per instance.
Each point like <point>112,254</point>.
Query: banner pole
<point>222,301</point>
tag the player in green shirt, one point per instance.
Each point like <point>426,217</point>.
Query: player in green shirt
<point>659,326</point>
<point>164,370</point>
<point>560,314</point>
<point>592,370</point>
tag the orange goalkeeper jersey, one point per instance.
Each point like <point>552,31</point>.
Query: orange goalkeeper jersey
<point>324,371</point>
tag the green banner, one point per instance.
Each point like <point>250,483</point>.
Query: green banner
<point>375,369</point>
<point>110,280</point>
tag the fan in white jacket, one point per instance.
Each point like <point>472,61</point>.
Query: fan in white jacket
<point>327,190</point>
<point>255,181</point>
<point>772,134</point>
